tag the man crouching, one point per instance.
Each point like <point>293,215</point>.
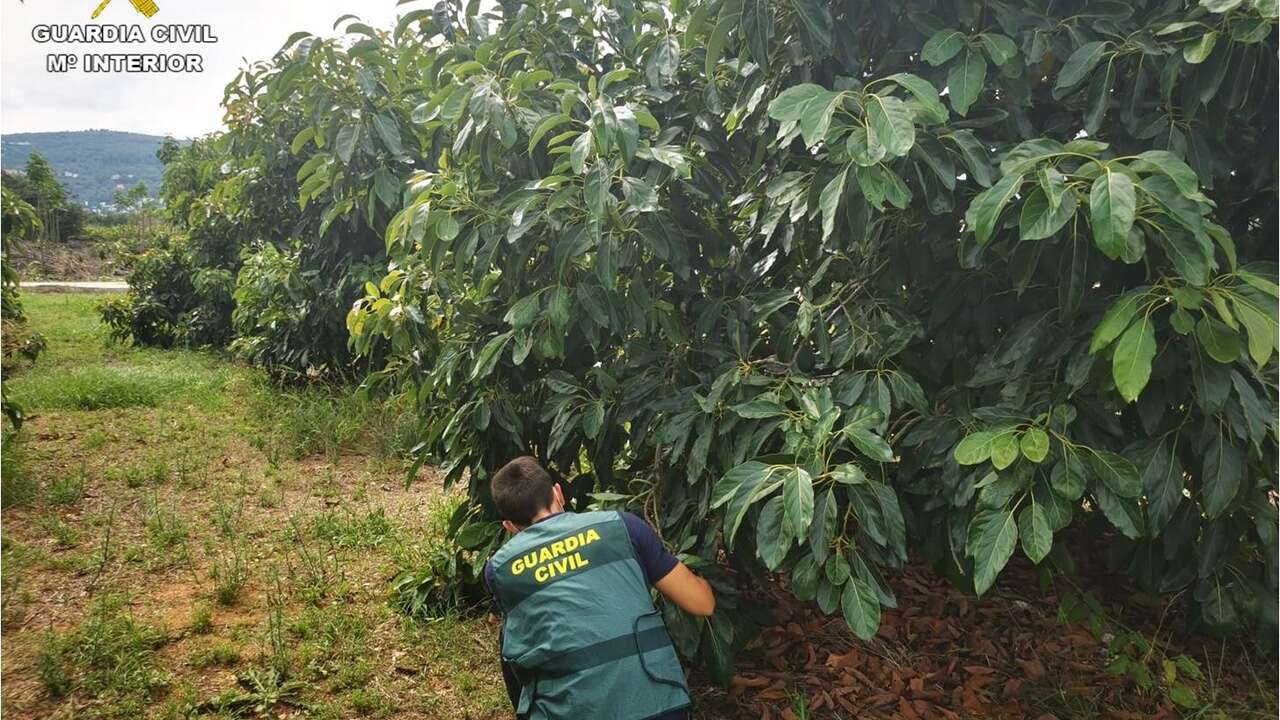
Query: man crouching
<point>581,637</point>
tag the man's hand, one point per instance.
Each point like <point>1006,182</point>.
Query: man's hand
<point>688,591</point>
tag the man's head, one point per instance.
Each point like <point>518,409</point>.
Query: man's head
<point>523,492</point>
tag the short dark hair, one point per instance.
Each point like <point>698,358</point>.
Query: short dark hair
<point>521,490</point>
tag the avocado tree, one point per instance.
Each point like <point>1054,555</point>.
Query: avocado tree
<point>803,280</point>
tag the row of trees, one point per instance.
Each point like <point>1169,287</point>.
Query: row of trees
<point>60,217</point>
<point>805,282</point>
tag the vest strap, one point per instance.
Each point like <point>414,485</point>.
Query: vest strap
<point>606,651</point>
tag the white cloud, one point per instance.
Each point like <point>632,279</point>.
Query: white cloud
<point>33,99</point>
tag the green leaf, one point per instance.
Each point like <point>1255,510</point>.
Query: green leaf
<point>1131,363</point>
<point>1035,533</point>
<point>837,570</point>
<point>815,26</point>
<point>547,125</point>
<point>595,191</point>
<point>797,494</point>
<point>1172,166</point>
<point>984,212</point>
<point>864,147</point>
<point>849,474</point>
<point>1099,98</point>
<point>757,28</point>
<point>1261,328</point>
<point>760,408</point>
<point>965,81</point>
<point>976,156</point>
<point>640,195</point>
<point>824,526</point>
<point>747,475</point>
<point>1068,477</point>
<point>772,539</point>
<point>1117,318</point>
<point>924,93</point>
<point>816,119</point>
<point>1221,342</point>
<point>1035,445</point>
<point>975,448</point>
<point>870,444</point>
<point>892,122</point>
<point>300,140</point>
<point>942,46</point>
<point>488,356</point>
<point>999,47</point>
<point>861,608</point>
<point>1040,219</point>
<point>715,44</point>
<point>790,104</point>
<point>1220,481</point>
<point>1111,208</point>
<point>992,536</point>
<point>1116,472</point>
<point>829,202</point>
<point>1079,64</point>
<point>345,145</point>
<point>1198,50</point>
<point>1004,450</point>
<point>1123,513</point>
<point>389,132</point>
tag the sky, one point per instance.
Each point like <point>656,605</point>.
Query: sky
<point>179,104</point>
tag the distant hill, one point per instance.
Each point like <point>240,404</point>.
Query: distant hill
<point>90,163</point>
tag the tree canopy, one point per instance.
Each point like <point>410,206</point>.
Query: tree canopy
<point>806,282</point>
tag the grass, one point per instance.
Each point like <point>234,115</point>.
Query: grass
<point>195,541</point>
<point>109,659</point>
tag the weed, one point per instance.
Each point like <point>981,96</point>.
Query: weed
<point>108,659</point>
<point>94,440</point>
<point>218,654</point>
<point>67,489</point>
<point>150,472</point>
<point>227,513</point>
<point>64,536</point>
<point>275,640</point>
<point>17,487</point>
<point>201,619</point>
<point>346,529</point>
<point>371,703</point>
<point>167,532</point>
<point>351,676</point>
<point>229,571</point>
<point>317,570</point>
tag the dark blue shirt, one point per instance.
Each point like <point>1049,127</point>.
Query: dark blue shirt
<point>653,558</point>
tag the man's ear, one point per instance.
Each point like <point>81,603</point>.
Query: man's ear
<point>511,527</point>
<point>557,497</point>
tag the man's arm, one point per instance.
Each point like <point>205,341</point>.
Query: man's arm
<point>673,578</point>
<point>688,591</point>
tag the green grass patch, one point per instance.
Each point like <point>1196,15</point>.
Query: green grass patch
<point>108,662</point>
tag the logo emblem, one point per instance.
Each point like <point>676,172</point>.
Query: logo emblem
<point>146,7</point>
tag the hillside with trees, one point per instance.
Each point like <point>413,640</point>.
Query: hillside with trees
<point>91,164</point>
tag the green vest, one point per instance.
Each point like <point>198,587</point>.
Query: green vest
<point>581,631</point>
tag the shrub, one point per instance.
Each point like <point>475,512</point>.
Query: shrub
<point>743,265</point>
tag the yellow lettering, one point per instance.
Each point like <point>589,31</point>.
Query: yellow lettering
<point>517,567</point>
<point>557,547</point>
<point>582,562</point>
<point>541,574</point>
<point>544,555</point>
<point>592,536</point>
<point>562,566</point>
<point>571,543</point>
